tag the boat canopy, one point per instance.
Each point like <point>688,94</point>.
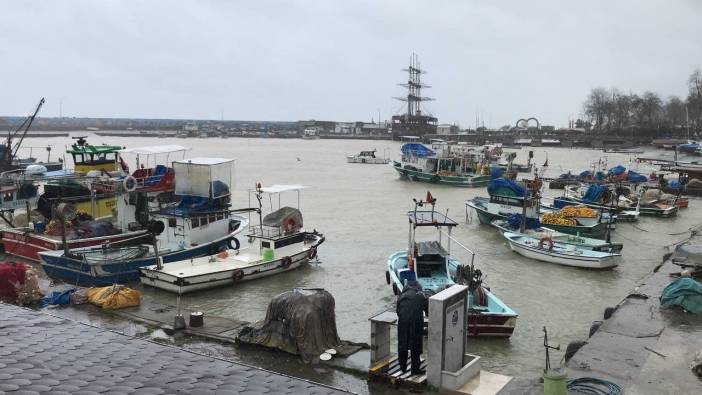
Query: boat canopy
<point>430,218</point>
<point>425,248</point>
<point>203,177</point>
<point>416,149</point>
<point>154,149</point>
<point>94,149</point>
<point>278,188</point>
<point>282,217</point>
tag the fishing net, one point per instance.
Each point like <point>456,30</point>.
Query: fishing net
<point>19,284</point>
<point>300,322</point>
<point>114,297</point>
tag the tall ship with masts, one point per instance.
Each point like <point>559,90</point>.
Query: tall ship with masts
<point>414,122</point>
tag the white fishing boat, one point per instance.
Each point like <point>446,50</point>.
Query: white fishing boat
<point>546,249</point>
<point>586,243</point>
<point>278,244</point>
<point>366,157</point>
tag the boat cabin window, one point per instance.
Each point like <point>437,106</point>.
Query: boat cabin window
<point>172,222</point>
<point>265,244</point>
<point>8,197</point>
<point>194,222</point>
<point>430,266</point>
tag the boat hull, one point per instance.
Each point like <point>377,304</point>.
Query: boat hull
<point>481,323</point>
<point>563,259</point>
<point>370,161</point>
<point>26,244</point>
<point>430,178</point>
<point>77,271</point>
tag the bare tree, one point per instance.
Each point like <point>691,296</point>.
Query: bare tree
<point>674,111</point>
<point>598,107</point>
<point>694,99</point>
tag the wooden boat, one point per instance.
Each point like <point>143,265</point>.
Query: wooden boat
<point>433,267</point>
<point>440,165</point>
<point>564,238</point>
<point>562,254</point>
<point>201,223</point>
<point>278,244</point>
<point>366,157</point>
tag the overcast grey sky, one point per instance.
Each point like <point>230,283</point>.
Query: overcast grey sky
<point>339,60</point>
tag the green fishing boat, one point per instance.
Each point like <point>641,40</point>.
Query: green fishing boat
<point>442,165</point>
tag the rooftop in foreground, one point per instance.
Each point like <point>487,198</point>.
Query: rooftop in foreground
<point>47,354</point>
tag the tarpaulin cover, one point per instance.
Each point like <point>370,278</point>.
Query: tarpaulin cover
<point>114,297</point>
<point>684,292</point>
<point>567,176</point>
<point>11,275</point>
<point>285,214</point>
<point>636,177</point>
<point>593,193</point>
<point>300,322</point>
<point>496,172</point>
<point>586,173</point>
<point>694,183</point>
<point>59,298</point>
<point>688,147</point>
<point>416,149</point>
<point>505,187</point>
<point>515,222</point>
<point>96,228</point>
<point>616,170</point>
<point>675,184</point>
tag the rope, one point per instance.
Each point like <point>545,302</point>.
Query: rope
<point>593,386</point>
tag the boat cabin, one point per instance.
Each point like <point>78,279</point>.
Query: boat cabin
<point>153,173</point>
<point>88,157</point>
<point>280,228</point>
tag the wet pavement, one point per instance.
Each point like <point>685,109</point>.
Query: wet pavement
<point>41,353</point>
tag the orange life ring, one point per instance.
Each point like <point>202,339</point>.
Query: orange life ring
<point>546,239</point>
<point>288,225</point>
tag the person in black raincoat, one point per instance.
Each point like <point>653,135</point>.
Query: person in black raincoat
<point>411,305</point>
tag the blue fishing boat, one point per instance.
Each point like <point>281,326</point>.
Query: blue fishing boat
<point>201,223</point>
<point>434,268</point>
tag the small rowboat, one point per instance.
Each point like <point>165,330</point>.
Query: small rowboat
<point>586,243</point>
<point>547,250</point>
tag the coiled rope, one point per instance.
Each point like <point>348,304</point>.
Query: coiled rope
<point>593,386</point>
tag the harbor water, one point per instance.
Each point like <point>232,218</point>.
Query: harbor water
<point>361,209</point>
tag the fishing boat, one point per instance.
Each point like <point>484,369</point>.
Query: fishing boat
<point>150,187</point>
<point>547,250</point>
<point>435,269</point>
<point>440,165</point>
<point>586,243</point>
<point>200,223</point>
<point>651,204</point>
<point>310,134</point>
<point>519,168</point>
<point>278,244</point>
<point>366,157</point>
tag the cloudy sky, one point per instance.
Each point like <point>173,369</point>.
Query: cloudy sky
<point>339,60</point>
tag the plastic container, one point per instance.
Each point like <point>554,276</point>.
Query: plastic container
<point>555,382</point>
<point>268,255</point>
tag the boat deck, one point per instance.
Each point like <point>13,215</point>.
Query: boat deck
<point>241,259</point>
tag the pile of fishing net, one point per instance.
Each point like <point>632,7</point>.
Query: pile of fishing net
<point>300,322</point>
<point>694,183</point>
<point>557,218</point>
<point>578,211</point>
<point>81,229</point>
<point>114,297</point>
<point>19,284</point>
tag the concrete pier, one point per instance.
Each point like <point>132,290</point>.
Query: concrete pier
<point>41,353</point>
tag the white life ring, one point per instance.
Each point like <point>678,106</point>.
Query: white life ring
<point>129,183</point>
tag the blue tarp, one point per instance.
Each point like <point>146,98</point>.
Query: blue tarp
<point>636,177</point>
<point>496,172</point>
<point>616,171</point>
<point>515,222</point>
<point>60,298</point>
<point>688,147</point>
<point>684,292</point>
<point>560,202</point>
<point>593,193</point>
<point>675,184</point>
<point>503,185</point>
<point>599,176</point>
<point>586,173</point>
<point>416,149</point>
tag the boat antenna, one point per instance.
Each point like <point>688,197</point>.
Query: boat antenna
<point>547,347</point>
<point>259,197</point>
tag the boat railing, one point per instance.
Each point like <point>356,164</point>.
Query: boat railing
<point>451,238</point>
<point>265,231</point>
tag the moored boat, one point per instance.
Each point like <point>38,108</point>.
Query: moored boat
<point>440,165</point>
<point>547,250</point>
<point>278,244</point>
<point>434,268</point>
<point>366,157</point>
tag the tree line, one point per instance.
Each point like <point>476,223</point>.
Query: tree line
<point>610,110</point>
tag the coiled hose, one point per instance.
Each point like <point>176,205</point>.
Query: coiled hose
<point>593,386</point>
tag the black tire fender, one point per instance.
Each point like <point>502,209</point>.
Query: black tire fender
<point>237,275</point>
<point>387,277</point>
<point>395,290</point>
<point>235,242</point>
<point>609,311</point>
<point>594,327</point>
<point>285,262</point>
<point>572,348</point>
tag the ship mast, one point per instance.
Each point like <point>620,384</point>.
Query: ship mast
<point>414,87</point>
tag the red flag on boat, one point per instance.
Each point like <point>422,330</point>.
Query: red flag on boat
<point>430,199</point>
